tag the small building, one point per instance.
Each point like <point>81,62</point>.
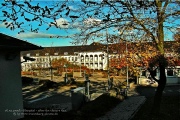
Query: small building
<point>11,100</point>
<point>172,75</point>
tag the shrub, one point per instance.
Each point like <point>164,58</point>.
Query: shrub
<point>98,107</point>
<point>48,83</point>
<point>26,80</point>
<point>26,73</point>
<point>69,74</point>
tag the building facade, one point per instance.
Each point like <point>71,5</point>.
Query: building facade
<point>93,60</point>
<point>93,56</point>
<point>88,56</point>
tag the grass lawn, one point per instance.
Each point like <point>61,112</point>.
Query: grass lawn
<point>170,109</point>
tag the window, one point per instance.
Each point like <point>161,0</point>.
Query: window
<point>65,53</point>
<point>178,72</point>
<point>75,53</point>
<point>68,58</point>
<point>114,52</point>
<point>91,65</point>
<point>91,59</point>
<point>47,59</point>
<point>37,59</point>
<point>37,54</point>
<point>96,58</point>
<point>28,55</point>
<point>46,53</point>
<point>55,53</point>
<point>75,58</point>
<point>87,59</point>
<point>170,72</point>
<point>100,65</point>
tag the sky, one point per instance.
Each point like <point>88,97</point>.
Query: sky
<point>42,38</point>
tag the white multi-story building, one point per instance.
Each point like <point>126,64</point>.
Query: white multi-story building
<point>90,56</point>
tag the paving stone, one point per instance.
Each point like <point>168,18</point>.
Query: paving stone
<point>125,110</point>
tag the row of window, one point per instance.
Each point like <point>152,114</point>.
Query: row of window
<point>100,55</point>
<point>36,65</point>
<point>46,65</point>
<point>69,58</point>
<point>169,72</point>
<point>46,54</point>
<point>66,53</point>
<point>95,65</point>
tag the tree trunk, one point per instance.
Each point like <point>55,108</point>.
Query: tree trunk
<point>159,91</point>
<point>161,60</point>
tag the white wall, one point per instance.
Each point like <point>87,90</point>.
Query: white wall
<point>10,88</point>
<point>96,63</point>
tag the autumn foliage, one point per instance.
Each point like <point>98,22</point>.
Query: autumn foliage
<point>141,55</point>
<point>62,64</point>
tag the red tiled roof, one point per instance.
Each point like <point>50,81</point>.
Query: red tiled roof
<point>69,49</point>
<point>89,48</point>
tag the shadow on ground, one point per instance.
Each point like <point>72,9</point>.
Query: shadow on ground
<point>59,102</point>
<point>169,105</point>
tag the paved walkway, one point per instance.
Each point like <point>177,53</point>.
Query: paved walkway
<point>52,99</point>
<point>125,110</point>
<point>57,101</point>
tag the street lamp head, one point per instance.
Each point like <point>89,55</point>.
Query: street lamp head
<point>65,66</point>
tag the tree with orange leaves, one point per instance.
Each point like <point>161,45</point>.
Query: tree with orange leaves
<point>59,64</point>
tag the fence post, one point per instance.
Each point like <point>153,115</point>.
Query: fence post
<point>110,83</point>
<point>87,82</point>
<point>65,78</point>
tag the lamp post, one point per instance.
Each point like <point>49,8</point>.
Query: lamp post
<point>65,66</point>
<point>51,71</point>
<point>110,82</point>
<point>79,57</point>
<point>65,77</point>
<point>127,67</point>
